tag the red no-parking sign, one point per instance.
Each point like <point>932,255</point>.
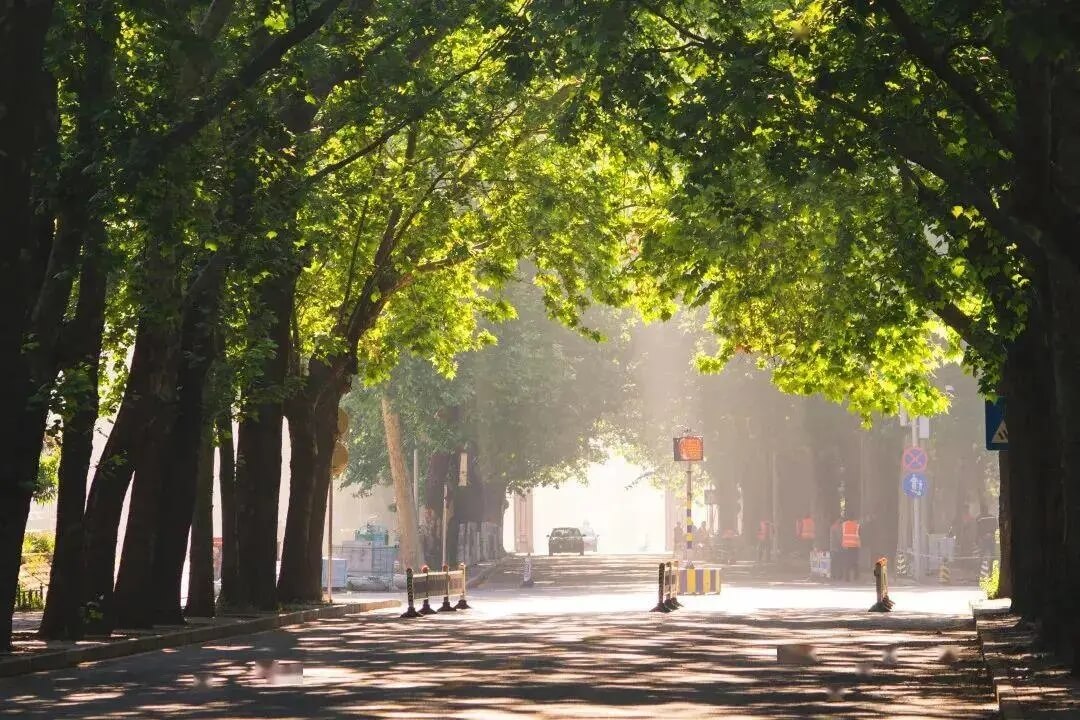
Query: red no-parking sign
<point>914,459</point>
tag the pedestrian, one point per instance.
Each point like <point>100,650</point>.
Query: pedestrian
<point>849,547</point>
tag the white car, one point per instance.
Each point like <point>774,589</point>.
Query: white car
<point>590,539</point>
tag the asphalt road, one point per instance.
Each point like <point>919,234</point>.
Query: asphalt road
<point>579,643</point>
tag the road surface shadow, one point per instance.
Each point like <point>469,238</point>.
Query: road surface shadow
<point>689,664</point>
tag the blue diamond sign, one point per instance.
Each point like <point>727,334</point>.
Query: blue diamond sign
<point>914,484</point>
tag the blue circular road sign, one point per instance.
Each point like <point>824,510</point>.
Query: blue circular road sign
<point>915,484</point>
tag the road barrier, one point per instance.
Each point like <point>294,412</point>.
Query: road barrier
<point>425,583</point>
<point>943,573</point>
<point>881,585</point>
<point>699,581</point>
<point>820,563</point>
<point>667,591</point>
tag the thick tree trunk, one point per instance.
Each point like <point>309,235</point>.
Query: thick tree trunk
<point>314,412</point>
<point>133,600</point>
<point>23,27</point>
<point>326,434</point>
<point>258,482</point>
<point>62,619</point>
<point>295,570</point>
<point>189,437</point>
<point>230,565</point>
<point>408,527</point>
<point>105,504</point>
<point>1032,460</point>
<point>200,599</point>
<point>1064,336</point>
<point>258,462</point>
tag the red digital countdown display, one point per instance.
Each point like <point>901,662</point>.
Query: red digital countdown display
<point>689,448</point>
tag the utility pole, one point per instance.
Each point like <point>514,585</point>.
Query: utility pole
<point>416,494</point>
<point>916,517</point>
<point>330,543</point>
<point>689,514</point>
<point>445,503</point>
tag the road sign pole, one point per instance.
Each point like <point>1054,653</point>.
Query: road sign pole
<point>445,504</point>
<point>916,519</point>
<point>689,513</point>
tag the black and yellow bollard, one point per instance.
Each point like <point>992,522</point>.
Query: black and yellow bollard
<point>661,581</point>
<point>462,604</point>
<point>446,606</point>
<point>670,601</point>
<point>425,608</point>
<point>410,612</point>
<point>881,586</point>
<point>944,576</point>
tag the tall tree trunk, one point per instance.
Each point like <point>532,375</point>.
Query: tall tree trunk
<point>200,599</point>
<point>133,599</point>
<point>190,435</point>
<point>295,568</point>
<point>105,503</point>
<point>230,566</point>
<point>1032,460</point>
<point>82,227</point>
<point>408,527</point>
<point>258,463</point>
<point>326,434</point>
<point>62,619</point>
<point>314,413</point>
<point>23,27</point>
<point>1064,336</point>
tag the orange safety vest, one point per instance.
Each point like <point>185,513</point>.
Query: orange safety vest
<point>806,528</point>
<point>850,534</point>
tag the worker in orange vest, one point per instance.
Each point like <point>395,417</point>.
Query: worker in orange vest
<point>850,543</point>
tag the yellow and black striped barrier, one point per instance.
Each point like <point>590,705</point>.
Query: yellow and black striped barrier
<point>427,584</point>
<point>699,581</point>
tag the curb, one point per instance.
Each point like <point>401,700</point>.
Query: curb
<point>1000,674</point>
<point>57,659</point>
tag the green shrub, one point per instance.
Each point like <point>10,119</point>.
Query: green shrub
<point>39,543</point>
<point>989,582</point>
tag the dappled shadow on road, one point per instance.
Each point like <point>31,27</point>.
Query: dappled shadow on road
<point>688,664</point>
<point>598,573</point>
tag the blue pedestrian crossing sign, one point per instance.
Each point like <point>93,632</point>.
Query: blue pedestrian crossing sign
<point>914,484</point>
<point>997,435</point>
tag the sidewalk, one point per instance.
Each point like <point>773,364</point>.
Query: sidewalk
<point>33,654</point>
<point>1028,681</point>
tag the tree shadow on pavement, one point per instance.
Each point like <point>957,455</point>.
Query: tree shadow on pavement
<point>689,664</point>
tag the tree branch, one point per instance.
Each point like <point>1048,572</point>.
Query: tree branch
<point>267,59</point>
<point>937,61</point>
<point>398,126</point>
